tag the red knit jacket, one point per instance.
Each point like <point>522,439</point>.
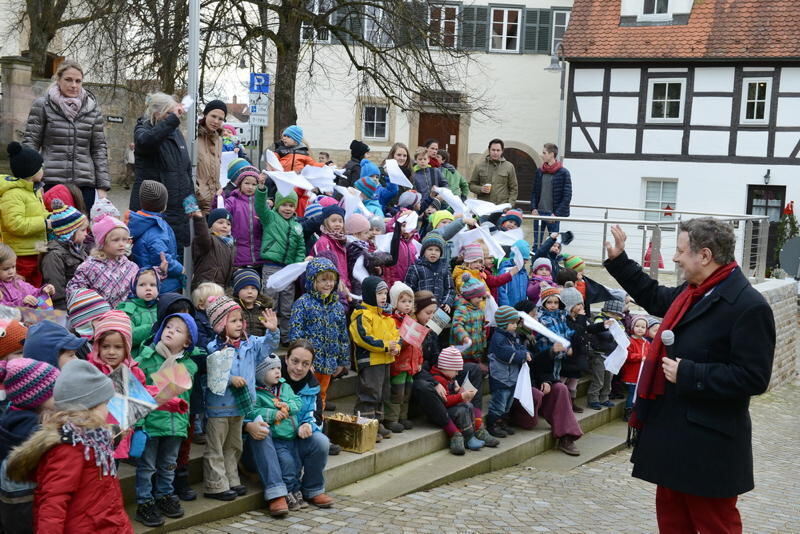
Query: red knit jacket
<point>637,352</point>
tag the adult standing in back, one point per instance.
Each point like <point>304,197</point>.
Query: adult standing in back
<point>209,154</point>
<point>494,179</point>
<point>552,193</point>
<point>66,127</point>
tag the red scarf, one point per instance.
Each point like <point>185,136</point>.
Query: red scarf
<point>551,168</point>
<point>652,381</point>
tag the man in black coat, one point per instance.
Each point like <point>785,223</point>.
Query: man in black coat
<point>694,439</point>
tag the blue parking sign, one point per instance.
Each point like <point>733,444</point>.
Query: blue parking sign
<point>259,82</point>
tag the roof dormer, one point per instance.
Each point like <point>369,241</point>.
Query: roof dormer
<point>655,12</point>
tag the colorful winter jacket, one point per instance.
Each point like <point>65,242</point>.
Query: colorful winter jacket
<point>555,320</point>
<point>455,181</point>
<point>110,278</point>
<point>265,407</point>
<point>371,331</point>
<point>282,240</point>
<point>516,290</point>
<point>143,316</point>
<point>12,293</point>
<point>458,273</point>
<point>406,256</point>
<point>22,215</point>
<point>246,229</point>
<point>338,249</point>
<point>153,236</point>
<point>468,322</point>
<point>410,358</point>
<point>435,277</point>
<point>637,352</point>
<point>506,356</point>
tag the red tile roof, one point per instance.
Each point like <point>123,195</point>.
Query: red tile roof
<point>717,29</point>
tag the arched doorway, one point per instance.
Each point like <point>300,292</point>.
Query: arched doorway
<point>526,171</point>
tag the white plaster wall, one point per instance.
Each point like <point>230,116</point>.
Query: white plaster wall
<point>713,79</point>
<point>590,108</point>
<point>711,111</point>
<point>752,144</point>
<point>709,143</point>
<point>620,141</point>
<point>790,80</point>
<point>623,109</point>
<point>588,80</point>
<point>662,141</point>
<point>788,111</point>
<point>625,79</point>
<point>785,143</point>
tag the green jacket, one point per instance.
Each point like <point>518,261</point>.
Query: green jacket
<point>160,423</point>
<point>282,239</point>
<point>265,407</point>
<point>455,181</point>
<point>501,175</point>
<point>143,316</point>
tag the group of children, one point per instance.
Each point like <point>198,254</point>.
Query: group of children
<point>353,300</point>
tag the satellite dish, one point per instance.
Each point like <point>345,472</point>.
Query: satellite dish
<point>790,257</point>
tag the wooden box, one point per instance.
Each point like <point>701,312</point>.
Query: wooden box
<point>352,433</point>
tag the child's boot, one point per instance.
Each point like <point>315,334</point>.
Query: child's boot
<point>493,428</point>
<point>278,507</point>
<point>487,438</point>
<point>627,415</point>
<point>170,506</point>
<point>148,514</point>
<point>473,443</point>
<point>505,426</point>
<point>457,444</point>
<point>181,485</point>
<point>384,432</point>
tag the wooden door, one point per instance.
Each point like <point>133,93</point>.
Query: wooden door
<point>443,128</point>
<point>768,200</point>
<point>526,172</point>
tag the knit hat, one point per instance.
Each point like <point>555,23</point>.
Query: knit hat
<point>244,172</point>
<point>358,149</point>
<point>191,324</point>
<point>102,226</point>
<point>295,132</point>
<point>541,262</point>
<point>12,336</point>
<point>575,263</point>
<point>549,291</point>
<point>135,281</point>
<point>635,319</point>
<point>313,209</point>
<point>505,315</point>
<point>651,321</point>
<point>65,221</point>
<point>472,252</point>
<point>326,201</point>
<point>356,223</point>
<point>113,321</point>
<point>472,287</point>
<point>291,198</point>
<point>450,359</point>
<point>368,169</point>
<point>215,104</point>
<point>524,248</point>
<point>334,209</point>
<point>25,162</point>
<point>438,216</point>
<point>270,362</point>
<point>370,288</point>
<point>245,277</point>
<point>409,199</point>
<point>217,309</point>
<point>614,306</point>
<point>153,196</point>
<point>217,214</point>
<point>83,307</point>
<point>103,206</point>
<point>378,223</point>
<point>81,386</point>
<point>436,204</point>
<point>397,289</point>
<point>571,297</point>
<point>420,303</point>
<point>511,215</point>
<point>433,239</point>
<point>367,185</point>
<point>235,167</point>
<point>28,383</point>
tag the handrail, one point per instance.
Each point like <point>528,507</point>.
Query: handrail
<point>651,210</point>
<point>618,221</point>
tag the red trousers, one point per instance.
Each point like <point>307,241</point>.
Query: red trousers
<point>28,268</point>
<point>682,513</point>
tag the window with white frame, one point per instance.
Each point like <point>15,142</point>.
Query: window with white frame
<point>506,25</point>
<point>309,32</point>
<point>655,7</point>
<point>375,122</point>
<point>376,22</point>
<point>660,194</point>
<point>443,21</point>
<point>755,100</point>
<point>665,100</point>
<point>560,22</point>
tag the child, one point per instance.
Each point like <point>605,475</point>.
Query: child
<point>495,281</point>
<point>516,290</point>
<point>141,307</point>
<point>205,334</point>
<point>468,329</point>
<point>577,363</point>
<point>29,389</point>
<point>506,356</point>
<point>155,471</point>
<point>281,244</point>
<point>406,251</point>
<point>246,229</point>
<point>473,264</point>
<point>72,459</point>
<point>603,344</point>
<point>200,297</point>
<point>541,277</point>
<point>377,343</point>
<point>431,273</point>
<point>510,220</point>
<point>51,343</point>
<point>224,426</point>
<point>368,185</point>
<point>293,155</point>
<point>153,238</point>
<point>551,251</point>
<point>22,214</point>
<point>65,252</point>
<point>455,181</point>
<point>425,177</point>
<point>333,239</point>
<point>653,324</point>
<point>319,317</point>
<point>407,363</point>
<point>107,270</point>
<point>361,246</point>
<point>553,315</point>
<point>212,248</point>
<point>637,352</point>
<point>12,337</point>
<point>16,292</point>
<point>83,307</point>
<point>246,290</point>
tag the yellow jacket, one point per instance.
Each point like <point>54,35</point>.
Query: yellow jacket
<point>22,216</point>
<point>459,271</point>
<point>371,331</point>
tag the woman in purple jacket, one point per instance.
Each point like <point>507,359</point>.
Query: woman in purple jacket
<point>246,228</point>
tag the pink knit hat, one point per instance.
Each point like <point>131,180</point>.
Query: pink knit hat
<point>103,225</point>
<point>113,321</point>
<point>356,223</point>
<point>450,359</point>
<point>325,201</point>
<point>28,383</point>
<point>217,309</point>
<point>473,252</point>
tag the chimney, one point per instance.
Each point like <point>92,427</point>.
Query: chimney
<point>234,99</point>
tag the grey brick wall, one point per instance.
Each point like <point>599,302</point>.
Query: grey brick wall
<point>782,297</point>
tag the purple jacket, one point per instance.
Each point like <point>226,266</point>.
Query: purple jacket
<point>245,228</point>
<point>12,293</point>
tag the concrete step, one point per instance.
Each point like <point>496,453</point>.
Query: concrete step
<point>601,441</point>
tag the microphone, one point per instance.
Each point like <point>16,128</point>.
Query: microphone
<point>668,340</point>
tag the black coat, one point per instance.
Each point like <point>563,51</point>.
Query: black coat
<point>697,436</point>
<point>162,155</point>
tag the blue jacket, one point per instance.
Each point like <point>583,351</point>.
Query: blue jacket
<point>435,277</point>
<point>544,252</point>
<point>562,191</point>
<point>374,208</point>
<point>506,356</point>
<point>557,322</point>
<point>322,321</point>
<point>514,291</point>
<point>425,179</point>
<point>386,193</point>
<point>308,399</point>
<point>152,235</point>
<point>250,353</point>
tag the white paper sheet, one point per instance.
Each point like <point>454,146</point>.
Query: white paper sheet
<point>383,242</point>
<point>285,181</point>
<point>614,361</point>
<point>187,103</point>
<point>280,280</point>
<point>219,365</point>
<point>482,208</point>
<point>396,176</point>
<point>452,200</point>
<point>418,246</point>
<point>272,160</point>
<point>494,249</point>
<point>409,220</point>
<point>467,384</point>
<point>539,328</point>
<point>352,202</point>
<point>359,271</point>
<point>522,391</point>
<point>489,310</point>
<point>462,348</point>
<point>508,237</point>
<point>320,177</point>
<point>225,160</point>
<point>220,202</point>
<point>519,261</point>
<point>465,237</point>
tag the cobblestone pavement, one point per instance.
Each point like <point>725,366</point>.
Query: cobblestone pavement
<point>599,497</point>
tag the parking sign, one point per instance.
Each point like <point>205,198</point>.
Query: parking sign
<point>259,82</point>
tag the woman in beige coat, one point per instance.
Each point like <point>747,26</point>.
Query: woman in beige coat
<point>209,151</point>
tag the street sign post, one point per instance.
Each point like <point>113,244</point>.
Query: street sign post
<point>259,82</point>
<point>259,109</point>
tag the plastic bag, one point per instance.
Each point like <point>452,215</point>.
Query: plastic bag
<point>219,366</point>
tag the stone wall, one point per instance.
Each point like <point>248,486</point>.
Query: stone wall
<point>782,297</point>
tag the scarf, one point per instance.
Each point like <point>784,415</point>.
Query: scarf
<point>227,239</point>
<point>551,168</point>
<point>336,236</point>
<point>98,440</point>
<point>652,381</point>
<point>169,358</point>
<point>70,106</point>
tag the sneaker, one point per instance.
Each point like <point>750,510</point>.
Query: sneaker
<point>595,406</point>
<point>457,444</point>
<point>227,495</point>
<point>278,507</point>
<point>384,432</point>
<point>474,444</point>
<point>485,437</point>
<point>298,495</point>
<point>407,424</point>
<point>607,404</point>
<point>170,506</point>
<point>496,431</point>
<point>334,449</point>
<point>394,426</point>
<point>566,445</point>
<point>576,408</point>
<point>321,501</point>
<point>148,514</point>
<point>291,501</point>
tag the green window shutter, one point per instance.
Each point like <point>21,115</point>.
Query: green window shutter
<point>474,34</point>
<point>348,19</point>
<point>537,31</point>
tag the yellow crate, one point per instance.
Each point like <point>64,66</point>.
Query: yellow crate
<point>352,433</point>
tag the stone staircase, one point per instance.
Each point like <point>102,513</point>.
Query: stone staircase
<point>412,461</point>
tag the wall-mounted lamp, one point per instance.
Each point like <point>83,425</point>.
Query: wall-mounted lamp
<point>767,177</point>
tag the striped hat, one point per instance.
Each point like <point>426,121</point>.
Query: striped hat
<point>245,277</point>
<point>505,315</point>
<point>433,239</point>
<point>65,220</point>
<point>12,336</point>
<point>511,215</point>
<point>547,292</point>
<point>113,321</point>
<point>235,167</point>
<point>575,263</point>
<point>248,170</point>
<point>367,185</point>
<point>472,287</point>
<point>472,252</point>
<point>450,359</point>
<point>217,309</point>
<point>83,307</point>
<point>28,383</point>
<point>313,209</point>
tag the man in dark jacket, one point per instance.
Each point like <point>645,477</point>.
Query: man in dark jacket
<point>552,193</point>
<point>691,410</point>
<point>352,169</point>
